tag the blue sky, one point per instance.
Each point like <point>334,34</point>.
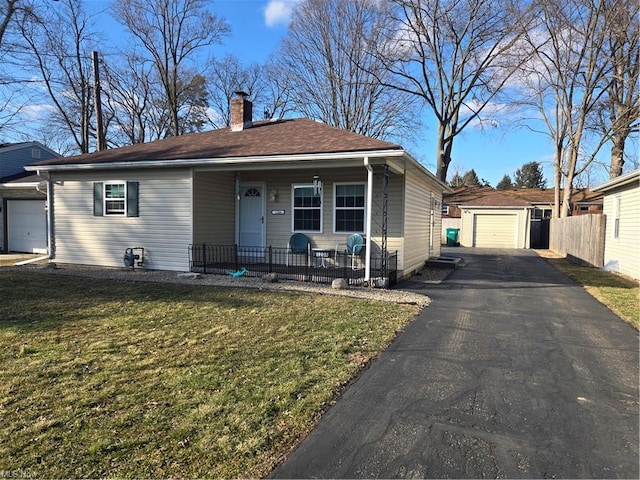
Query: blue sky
<point>257,27</point>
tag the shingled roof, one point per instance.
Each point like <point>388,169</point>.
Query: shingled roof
<point>497,198</point>
<point>263,139</point>
<point>484,196</point>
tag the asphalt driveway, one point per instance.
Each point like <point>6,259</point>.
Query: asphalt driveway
<point>512,372</point>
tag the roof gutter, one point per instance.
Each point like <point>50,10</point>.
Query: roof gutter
<point>203,162</point>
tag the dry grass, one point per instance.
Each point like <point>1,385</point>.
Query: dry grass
<point>105,378</point>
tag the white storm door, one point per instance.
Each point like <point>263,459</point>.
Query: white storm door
<point>251,221</point>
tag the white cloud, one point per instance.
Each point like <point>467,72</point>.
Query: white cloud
<point>278,12</point>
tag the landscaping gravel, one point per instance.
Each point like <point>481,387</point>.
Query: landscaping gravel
<point>140,275</point>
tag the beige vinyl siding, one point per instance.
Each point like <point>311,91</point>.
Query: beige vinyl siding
<point>214,206</point>
<point>417,226</point>
<point>163,227</point>
<point>279,227</point>
<point>494,228</point>
<point>622,254</point>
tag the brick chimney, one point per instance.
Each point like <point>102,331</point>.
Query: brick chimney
<point>241,112</point>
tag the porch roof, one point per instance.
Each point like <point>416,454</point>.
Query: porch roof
<point>264,139</point>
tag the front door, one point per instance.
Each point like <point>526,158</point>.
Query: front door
<point>251,221</point>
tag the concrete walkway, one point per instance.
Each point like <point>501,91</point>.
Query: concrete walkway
<point>512,372</point>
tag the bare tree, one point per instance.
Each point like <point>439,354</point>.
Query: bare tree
<point>171,32</point>
<point>8,110</point>
<point>622,100</point>
<point>129,93</point>
<point>278,94</point>
<point>566,82</point>
<point>227,76</point>
<point>456,56</point>
<point>8,9</point>
<point>58,39</point>
<point>332,74</point>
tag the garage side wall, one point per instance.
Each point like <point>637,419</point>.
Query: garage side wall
<point>163,227</point>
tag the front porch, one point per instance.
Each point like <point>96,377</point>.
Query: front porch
<point>306,267</point>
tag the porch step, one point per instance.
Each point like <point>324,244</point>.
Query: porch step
<point>443,262</point>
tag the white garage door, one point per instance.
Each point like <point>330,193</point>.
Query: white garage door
<point>495,231</point>
<point>26,226</point>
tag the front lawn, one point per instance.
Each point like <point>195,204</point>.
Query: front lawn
<point>100,378</point>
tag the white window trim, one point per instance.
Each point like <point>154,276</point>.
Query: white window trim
<point>105,199</point>
<point>294,208</point>
<point>364,207</point>
<point>617,200</point>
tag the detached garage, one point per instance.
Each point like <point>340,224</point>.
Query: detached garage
<point>496,220</point>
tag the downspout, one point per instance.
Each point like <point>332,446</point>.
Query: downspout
<point>50,251</point>
<point>367,252</point>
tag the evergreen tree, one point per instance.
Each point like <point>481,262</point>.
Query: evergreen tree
<point>456,181</point>
<point>471,178</point>
<point>505,183</point>
<point>530,176</point>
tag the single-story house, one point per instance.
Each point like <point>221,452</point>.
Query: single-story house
<point>252,185</point>
<point>23,227</point>
<point>622,231</point>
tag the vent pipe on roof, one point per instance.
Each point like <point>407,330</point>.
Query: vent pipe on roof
<point>241,112</point>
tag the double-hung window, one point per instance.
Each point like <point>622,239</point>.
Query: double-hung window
<point>115,199</point>
<point>349,210</point>
<point>307,209</point>
<point>616,217</point>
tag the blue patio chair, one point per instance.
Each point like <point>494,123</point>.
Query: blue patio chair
<point>353,248</point>
<point>299,244</point>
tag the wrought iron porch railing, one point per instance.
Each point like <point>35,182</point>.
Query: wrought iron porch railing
<point>323,268</point>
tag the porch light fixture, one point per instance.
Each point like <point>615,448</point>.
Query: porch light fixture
<point>317,186</point>
<point>273,195</point>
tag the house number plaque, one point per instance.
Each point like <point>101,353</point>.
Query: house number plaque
<point>277,212</point>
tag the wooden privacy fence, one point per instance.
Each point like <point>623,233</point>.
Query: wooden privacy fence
<point>579,238</point>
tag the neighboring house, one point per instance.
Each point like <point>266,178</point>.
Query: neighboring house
<point>23,198</point>
<point>583,200</point>
<point>622,236</point>
<point>253,185</point>
<point>513,233</point>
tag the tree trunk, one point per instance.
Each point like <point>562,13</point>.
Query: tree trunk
<point>617,155</point>
<point>443,152</point>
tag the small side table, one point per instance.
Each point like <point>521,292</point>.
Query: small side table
<point>322,254</point>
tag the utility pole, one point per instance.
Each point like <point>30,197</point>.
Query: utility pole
<point>100,143</point>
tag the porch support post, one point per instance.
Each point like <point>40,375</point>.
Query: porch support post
<point>367,251</point>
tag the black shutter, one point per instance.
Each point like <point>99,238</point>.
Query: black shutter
<point>98,204</point>
<point>132,199</point>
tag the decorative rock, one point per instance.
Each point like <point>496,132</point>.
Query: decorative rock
<point>193,275</point>
<point>339,284</point>
<point>50,265</point>
<point>270,278</point>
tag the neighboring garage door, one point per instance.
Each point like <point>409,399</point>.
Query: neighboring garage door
<point>26,226</point>
<point>495,231</point>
